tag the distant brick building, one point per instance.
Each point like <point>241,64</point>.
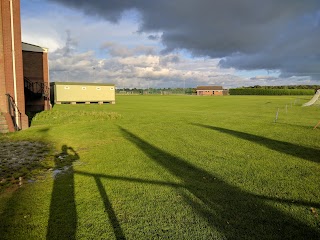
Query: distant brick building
<point>21,66</point>
<point>210,91</point>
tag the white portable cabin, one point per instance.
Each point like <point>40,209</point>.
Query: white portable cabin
<point>73,92</point>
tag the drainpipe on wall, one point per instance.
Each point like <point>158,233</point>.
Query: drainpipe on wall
<point>14,65</point>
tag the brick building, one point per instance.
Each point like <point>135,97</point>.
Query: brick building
<point>210,91</point>
<point>36,78</point>
<point>23,72</point>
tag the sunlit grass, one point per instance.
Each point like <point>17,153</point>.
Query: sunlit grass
<point>179,167</point>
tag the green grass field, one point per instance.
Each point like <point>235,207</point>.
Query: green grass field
<point>172,167</point>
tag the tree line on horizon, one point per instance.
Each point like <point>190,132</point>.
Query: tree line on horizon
<point>162,91</point>
<point>275,90</point>
<point>315,87</point>
<point>250,90</point>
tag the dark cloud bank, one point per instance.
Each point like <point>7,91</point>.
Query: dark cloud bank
<point>247,34</point>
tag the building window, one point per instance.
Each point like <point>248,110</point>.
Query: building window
<point>67,87</point>
<point>84,88</point>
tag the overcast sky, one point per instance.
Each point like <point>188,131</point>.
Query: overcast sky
<point>177,43</point>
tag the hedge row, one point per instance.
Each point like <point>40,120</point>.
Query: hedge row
<point>257,91</point>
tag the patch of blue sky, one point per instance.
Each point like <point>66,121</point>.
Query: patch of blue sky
<point>256,73</point>
<point>39,8</point>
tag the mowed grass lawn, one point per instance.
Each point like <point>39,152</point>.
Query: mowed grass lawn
<point>173,167</point>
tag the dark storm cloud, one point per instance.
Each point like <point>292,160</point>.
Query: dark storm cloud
<point>167,59</point>
<point>247,34</point>
<point>153,37</point>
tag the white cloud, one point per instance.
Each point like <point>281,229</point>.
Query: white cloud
<point>40,33</point>
<point>47,27</point>
<point>117,50</point>
<point>119,53</point>
<point>245,34</point>
<point>135,67</point>
<point>148,71</point>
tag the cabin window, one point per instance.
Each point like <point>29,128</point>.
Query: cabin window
<point>67,87</point>
<point>84,88</point>
<point>98,88</point>
<point>111,88</point>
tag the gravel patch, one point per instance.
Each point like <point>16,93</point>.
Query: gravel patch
<point>18,159</point>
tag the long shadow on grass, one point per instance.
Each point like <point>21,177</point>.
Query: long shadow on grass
<point>178,185</point>
<point>62,222</point>
<point>233,212</point>
<point>310,154</point>
<point>108,207</point>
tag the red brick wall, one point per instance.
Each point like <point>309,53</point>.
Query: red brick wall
<point>3,105</point>
<point>19,64</point>
<point>5,29</point>
<point>207,92</point>
<point>210,93</point>
<point>33,66</point>
<point>46,78</point>
<point>45,68</point>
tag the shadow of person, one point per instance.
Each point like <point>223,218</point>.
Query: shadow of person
<point>62,221</point>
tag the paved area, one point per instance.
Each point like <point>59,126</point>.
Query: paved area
<point>17,159</point>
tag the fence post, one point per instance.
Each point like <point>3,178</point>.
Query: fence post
<point>277,114</point>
